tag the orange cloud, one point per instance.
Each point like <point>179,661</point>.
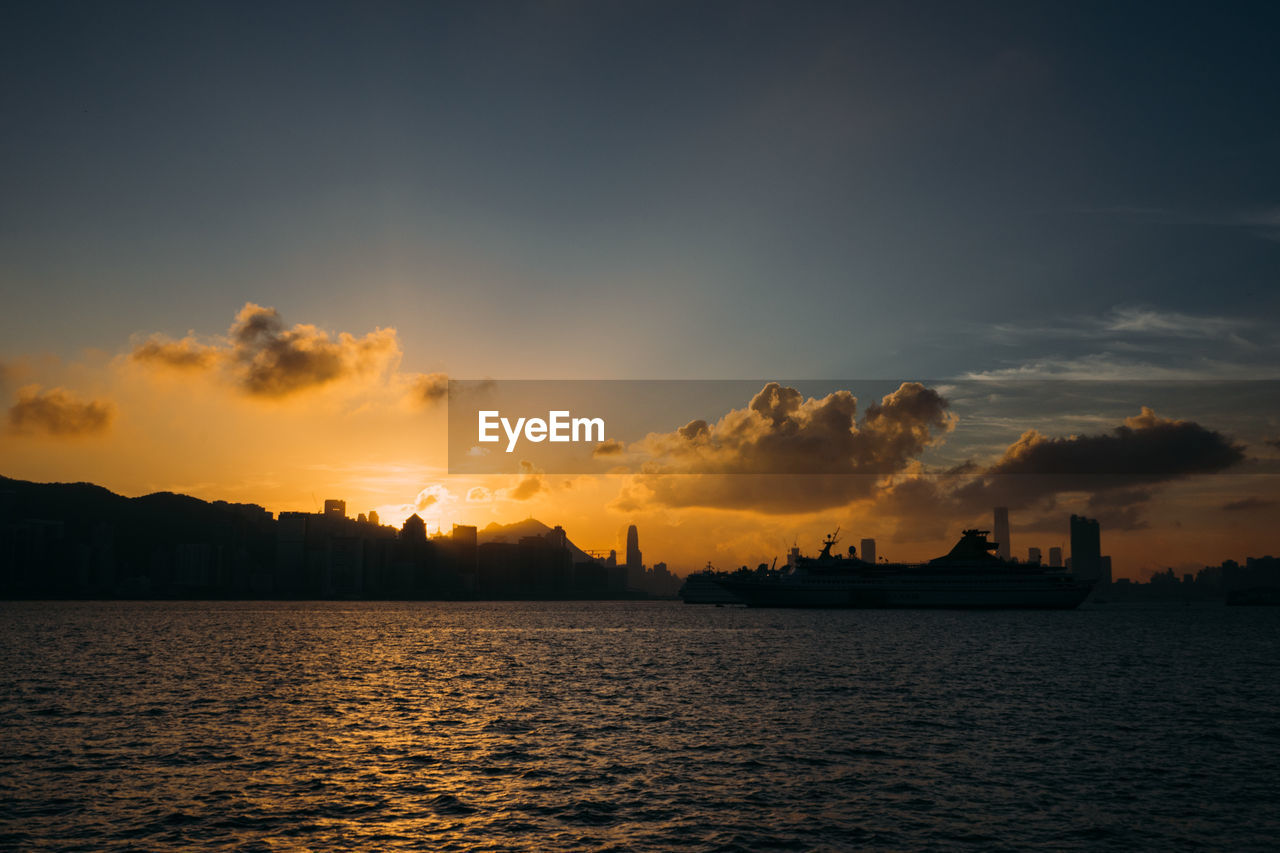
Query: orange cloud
<point>276,362</point>
<point>186,354</point>
<point>801,455</point>
<point>264,358</point>
<point>531,483</point>
<point>56,412</point>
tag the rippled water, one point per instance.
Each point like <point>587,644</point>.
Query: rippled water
<point>635,725</point>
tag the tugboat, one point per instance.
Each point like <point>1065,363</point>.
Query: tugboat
<point>969,576</point>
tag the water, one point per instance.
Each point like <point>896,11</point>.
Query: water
<point>516,726</point>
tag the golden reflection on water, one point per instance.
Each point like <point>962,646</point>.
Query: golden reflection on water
<point>627,725</point>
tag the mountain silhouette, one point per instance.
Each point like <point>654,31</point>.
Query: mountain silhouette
<point>514,532</point>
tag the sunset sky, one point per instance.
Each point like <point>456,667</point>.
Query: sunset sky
<point>243,245</point>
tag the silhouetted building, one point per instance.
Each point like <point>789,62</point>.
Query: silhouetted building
<point>1055,557</point>
<point>1033,555</point>
<point>335,509</point>
<point>635,563</point>
<point>464,549</point>
<point>1001,530</point>
<point>869,550</point>
<point>373,516</point>
<point>291,552</point>
<point>1104,575</point>
<point>1086,549</point>
<point>414,529</point>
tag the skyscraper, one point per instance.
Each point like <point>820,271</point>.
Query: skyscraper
<point>1086,549</point>
<point>1033,555</point>
<point>635,565</point>
<point>1001,531</point>
<point>869,550</point>
<point>1055,557</point>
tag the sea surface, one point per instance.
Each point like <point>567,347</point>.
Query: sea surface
<point>633,726</point>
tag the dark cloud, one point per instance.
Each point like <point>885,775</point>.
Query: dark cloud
<point>808,455</point>
<point>1036,472</point>
<point>801,454</point>
<point>1145,450</point>
<point>1250,503</point>
<point>57,413</point>
<point>431,387</point>
<point>186,354</point>
<point>1272,442</point>
<point>607,448</point>
<point>276,362</point>
<point>267,359</point>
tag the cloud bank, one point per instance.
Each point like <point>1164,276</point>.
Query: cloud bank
<point>58,413</point>
<point>783,454</point>
<point>801,454</point>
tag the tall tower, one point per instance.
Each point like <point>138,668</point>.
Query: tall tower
<point>1086,548</point>
<point>1055,557</point>
<point>1001,530</point>
<point>635,565</point>
<point>869,550</point>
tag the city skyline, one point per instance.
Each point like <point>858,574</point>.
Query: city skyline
<point>77,541</point>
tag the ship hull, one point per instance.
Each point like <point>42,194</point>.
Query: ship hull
<point>914,595</point>
<point>697,590</point>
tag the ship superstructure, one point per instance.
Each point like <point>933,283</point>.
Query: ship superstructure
<point>968,576</point>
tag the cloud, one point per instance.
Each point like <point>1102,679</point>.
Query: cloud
<point>802,454</point>
<point>1130,322</point>
<point>1110,367</point>
<point>265,358</point>
<point>1151,321</point>
<point>1137,342</point>
<point>431,496</point>
<point>1272,442</point>
<point>185,354</point>
<point>1118,471</point>
<point>479,494</point>
<point>809,455</point>
<point>1250,503</point>
<point>430,387</point>
<point>1145,450</point>
<point>610,447</point>
<point>531,483</point>
<point>1146,445</point>
<point>56,412</point>
<point>276,362</point>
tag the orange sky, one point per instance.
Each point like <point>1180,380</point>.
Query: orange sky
<point>367,435</point>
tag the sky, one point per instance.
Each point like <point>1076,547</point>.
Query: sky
<point>201,200</point>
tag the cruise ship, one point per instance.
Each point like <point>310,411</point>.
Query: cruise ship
<point>705,587</point>
<point>968,576</point>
